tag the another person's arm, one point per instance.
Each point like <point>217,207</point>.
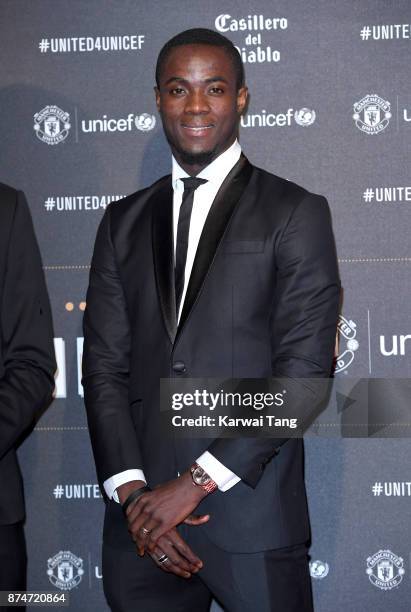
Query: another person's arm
<point>27,380</point>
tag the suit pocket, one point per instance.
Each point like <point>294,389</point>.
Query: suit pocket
<point>243,246</point>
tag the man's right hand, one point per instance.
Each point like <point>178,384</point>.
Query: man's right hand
<point>181,559</point>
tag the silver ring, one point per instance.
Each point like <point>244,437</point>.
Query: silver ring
<point>162,559</point>
<point>145,531</point>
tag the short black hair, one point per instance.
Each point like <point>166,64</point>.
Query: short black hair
<point>202,36</point>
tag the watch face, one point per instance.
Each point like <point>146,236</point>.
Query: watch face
<point>200,476</point>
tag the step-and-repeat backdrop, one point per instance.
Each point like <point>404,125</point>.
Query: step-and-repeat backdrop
<point>330,109</point>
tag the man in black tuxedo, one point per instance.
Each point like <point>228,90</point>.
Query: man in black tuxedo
<point>219,270</point>
<point>27,367</point>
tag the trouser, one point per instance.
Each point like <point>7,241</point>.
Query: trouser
<point>13,560</point>
<point>268,581</point>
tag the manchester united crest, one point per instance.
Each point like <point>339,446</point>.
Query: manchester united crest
<point>385,570</point>
<point>52,125</point>
<point>65,570</point>
<point>372,114</point>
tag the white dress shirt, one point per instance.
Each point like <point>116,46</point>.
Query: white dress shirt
<point>204,195</point>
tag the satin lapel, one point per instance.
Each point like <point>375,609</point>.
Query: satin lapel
<point>216,223</point>
<point>163,253</point>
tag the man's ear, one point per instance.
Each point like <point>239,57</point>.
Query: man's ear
<point>242,96</point>
<point>157,94</point>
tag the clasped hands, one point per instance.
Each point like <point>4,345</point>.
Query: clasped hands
<point>152,521</point>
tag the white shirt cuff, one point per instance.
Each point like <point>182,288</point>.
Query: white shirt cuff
<point>111,484</point>
<point>222,476</point>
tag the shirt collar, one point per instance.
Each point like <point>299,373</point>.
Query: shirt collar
<point>214,172</point>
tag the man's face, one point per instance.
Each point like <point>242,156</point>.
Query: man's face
<point>199,104</point>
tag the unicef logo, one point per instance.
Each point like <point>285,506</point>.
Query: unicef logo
<point>319,569</point>
<point>52,125</point>
<point>348,331</point>
<point>372,114</point>
<point>145,122</point>
<point>385,570</point>
<point>304,117</point>
<point>65,570</point>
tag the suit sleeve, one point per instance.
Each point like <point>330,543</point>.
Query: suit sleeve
<point>27,382</point>
<point>106,359</point>
<point>303,328</point>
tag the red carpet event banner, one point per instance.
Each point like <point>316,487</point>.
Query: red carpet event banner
<point>329,109</point>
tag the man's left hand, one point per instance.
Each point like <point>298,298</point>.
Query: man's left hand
<point>156,512</point>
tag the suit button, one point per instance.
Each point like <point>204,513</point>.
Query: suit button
<point>179,367</point>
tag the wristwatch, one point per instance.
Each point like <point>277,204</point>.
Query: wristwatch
<point>202,479</point>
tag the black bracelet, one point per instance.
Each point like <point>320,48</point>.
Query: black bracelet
<point>133,496</point>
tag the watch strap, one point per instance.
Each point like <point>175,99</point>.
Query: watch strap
<point>209,486</point>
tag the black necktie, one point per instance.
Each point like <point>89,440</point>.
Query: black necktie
<point>190,185</point>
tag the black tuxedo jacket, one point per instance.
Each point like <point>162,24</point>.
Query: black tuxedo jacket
<point>27,361</point>
<point>262,301</point>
